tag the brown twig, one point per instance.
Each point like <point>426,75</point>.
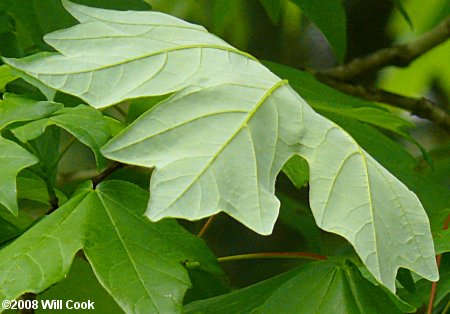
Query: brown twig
<point>401,55</point>
<point>206,226</point>
<point>434,284</point>
<point>106,173</point>
<point>421,107</point>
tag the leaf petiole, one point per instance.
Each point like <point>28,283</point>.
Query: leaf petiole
<point>272,255</point>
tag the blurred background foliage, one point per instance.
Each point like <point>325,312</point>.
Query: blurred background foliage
<point>294,34</point>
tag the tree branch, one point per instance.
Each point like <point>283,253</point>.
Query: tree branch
<point>401,55</point>
<point>421,107</point>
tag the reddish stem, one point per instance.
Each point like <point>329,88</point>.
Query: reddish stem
<point>206,226</point>
<point>438,263</point>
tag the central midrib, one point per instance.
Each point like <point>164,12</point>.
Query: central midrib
<point>186,47</point>
<point>239,129</point>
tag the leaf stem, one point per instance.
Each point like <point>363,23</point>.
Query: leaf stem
<point>106,173</point>
<point>52,198</point>
<point>434,284</point>
<point>120,111</point>
<point>206,226</point>
<point>272,255</point>
<point>65,149</point>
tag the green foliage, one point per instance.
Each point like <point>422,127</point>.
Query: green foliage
<point>329,17</point>
<point>329,286</point>
<point>433,67</point>
<point>14,158</point>
<point>211,128</point>
<point>134,259</point>
<point>83,122</point>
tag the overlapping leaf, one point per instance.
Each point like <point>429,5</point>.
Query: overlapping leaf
<point>249,138</point>
<point>324,287</point>
<point>30,19</point>
<point>138,262</point>
<point>324,99</point>
<point>80,285</point>
<point>218,143</point>
<point>14,158</point>
<point>98,72</point>
<point>16,109</point>
<point>83,122</point>
<point>42,255</point>
<point>273,9</point>
<point>329,17</point>
<point>6,76</point>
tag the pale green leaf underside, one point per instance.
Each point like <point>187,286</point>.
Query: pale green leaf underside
<point>218,143</point>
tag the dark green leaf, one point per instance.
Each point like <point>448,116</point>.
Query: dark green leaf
<point>322,287</point>
<point>329,16</point>
<point>141,105</point>
<point>406,280</point>
<point>12,226</point>
<point>402,10</point>
<point>42,256</point>
<point>298,216</point>
<point>32,187</point>
<point>223,10</point>
<point>297,170</point>
<point>140,263</point>
<point>205,284</point>
<point>80,285</point>
<point>273,9</point>
<point>442,242</point>
<point>46,149</point>
<point>421,296</point>
<point>443,290</point>
<point>115,126</point>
